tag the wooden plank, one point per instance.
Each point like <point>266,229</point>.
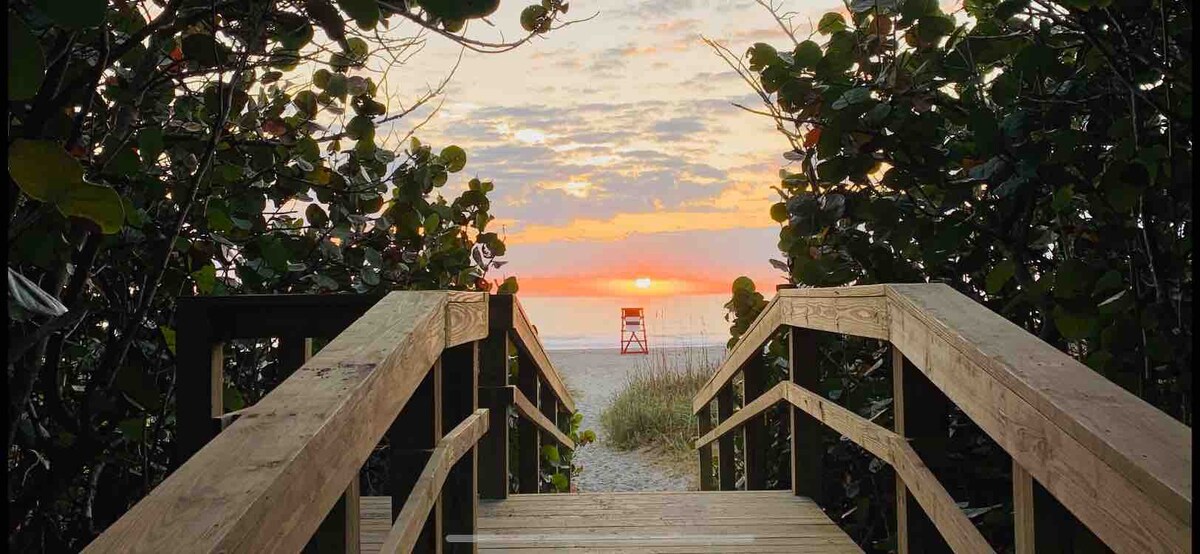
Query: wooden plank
<point>726,472</point>
<point>527,340</point>
<point>739,418</point>
<point>1149,448</point>
<point>493,377</point>
<point>460,376</point>
<point>950,521</point>
<point>922,417</point>
<point>808,446</point>
<point>466,317</point>
<point>528,451</point>
<point>266,482</point>
<point>1106,499</point>
<point>407,528</point>
<point>703,426</point>
<point>752,340</point>
<point>754,438</point>
<point>860,316</point>
<point>530,413</point>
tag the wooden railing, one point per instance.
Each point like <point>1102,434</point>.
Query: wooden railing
<point>282,475</point>
<point>1080,445</point>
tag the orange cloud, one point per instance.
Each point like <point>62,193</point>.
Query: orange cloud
<point>622,285</point>
<point>622,225</point>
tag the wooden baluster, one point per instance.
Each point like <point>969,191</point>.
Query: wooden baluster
<point>529,463</point>
<point>1043,524</point>
<point>562,418</point>
<point>460,392</point>
<point>412,438</point>
<point>548,405</point>
<point>921,415</point>
<point>199,376</point>
<point>703,426</point>
<point>493,376</point>
<point>754,438</point>
<point>727,473</point>
<point>808,445</point>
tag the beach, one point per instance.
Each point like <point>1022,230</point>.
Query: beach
<point>594,377</point>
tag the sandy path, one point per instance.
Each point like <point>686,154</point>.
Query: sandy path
<point>594,377</point>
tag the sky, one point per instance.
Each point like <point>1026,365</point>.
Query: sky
<point>616,156</point>
<point>613,146</point>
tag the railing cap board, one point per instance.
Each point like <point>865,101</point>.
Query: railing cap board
<point>266,482</point>
<point>1136,442</point>
<point>1125,431</point>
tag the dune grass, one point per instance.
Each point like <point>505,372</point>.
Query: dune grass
<point>655,407</point>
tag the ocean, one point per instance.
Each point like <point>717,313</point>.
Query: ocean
<point>589,323</point>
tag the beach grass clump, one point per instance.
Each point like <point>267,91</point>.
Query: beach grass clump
<point>655,407</point>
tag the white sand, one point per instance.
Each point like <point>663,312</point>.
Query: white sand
<point>594,377</point>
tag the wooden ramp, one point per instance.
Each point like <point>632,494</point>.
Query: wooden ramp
<point>710,521</point>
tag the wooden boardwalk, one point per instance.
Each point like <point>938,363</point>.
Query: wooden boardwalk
<point>734,521</point>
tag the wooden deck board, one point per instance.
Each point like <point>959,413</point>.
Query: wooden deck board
<point>709,521</point>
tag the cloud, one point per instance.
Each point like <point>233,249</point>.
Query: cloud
<point>678,127</point>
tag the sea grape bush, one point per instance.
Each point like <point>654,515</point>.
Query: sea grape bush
<point>1034,155</point>
<point>165,148</point>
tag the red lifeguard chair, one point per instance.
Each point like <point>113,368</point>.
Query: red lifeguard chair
<point>633,332</point>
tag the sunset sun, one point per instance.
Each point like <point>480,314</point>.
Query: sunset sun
<point>642,282</point>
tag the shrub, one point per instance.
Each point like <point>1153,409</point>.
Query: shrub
<point>655,407</point>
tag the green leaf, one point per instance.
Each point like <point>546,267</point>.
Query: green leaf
<point>205,50</point>
<point>168,337</point>
<point>762,55</point>
<point>743,284</point>
<point>74,14</point>
<point>560,482</point>
<point>883,6</point>
<point>370,276</point>
<point>1073,326</point>
<point>150,144</point>
<point>853,96</point>
<point>133,429</point>
<point>361,128</point>
<point>321,78</point>
<point>1073,278</point>
<point>807,54</point>
<point>1000,275</point>
<point>830,23</point>
<point>535,19</point>
<point>509,286</point>
<point>206,278</point>
<point>364,12</point>
<point>550,453</point>
<point>306,102</point>
<point>454,158</point>
<point>232,399</point>
<point>26,62</point>
<point>45,172</point>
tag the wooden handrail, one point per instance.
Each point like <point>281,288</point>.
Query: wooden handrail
<point>266,482</point>
<point>1122,467</point>
<point>527,410</point>
<point>950,521</point>
<point>459,441</point>
<point>527,340</point>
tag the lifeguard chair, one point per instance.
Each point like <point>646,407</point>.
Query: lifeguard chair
<point>633,332</point>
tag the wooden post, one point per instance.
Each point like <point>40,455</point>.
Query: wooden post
<point>703,426</point>
<point>1024,526</point>
<point>493,372</point>
<point>727,473</point>
<point>922,415</point>
<point>460,394</point>
<point>412,438</point>
<point>808,445</point>
<point>200,380</point>
<point>754,438</point>
<point>529,462</point>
